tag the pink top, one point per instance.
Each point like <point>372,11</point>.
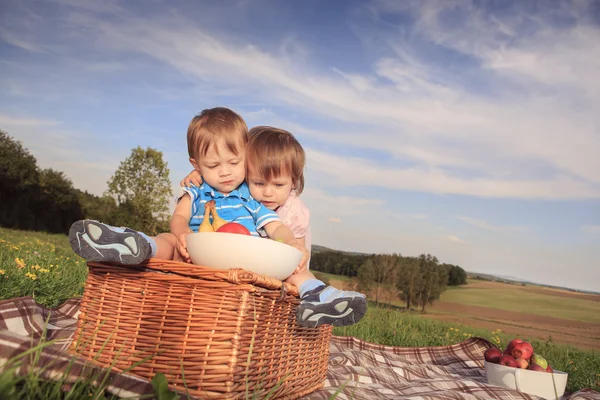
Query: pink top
<point>295,215</point>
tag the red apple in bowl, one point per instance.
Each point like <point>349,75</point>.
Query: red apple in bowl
<point>508,360</point>
<point>522,363</point>
<point>492,355</point>
<point>234,227</point>
<point>522,350</point>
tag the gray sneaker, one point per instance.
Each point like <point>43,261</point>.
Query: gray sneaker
<point>338,307</point>
<point>96,241</point>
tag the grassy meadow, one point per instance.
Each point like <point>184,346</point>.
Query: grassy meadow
<point>523,298</point>
<point>43,266</point>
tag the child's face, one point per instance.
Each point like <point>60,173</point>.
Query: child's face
<point>221,168</point>
<point>272,193</point>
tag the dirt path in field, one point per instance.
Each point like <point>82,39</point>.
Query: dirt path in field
<point>577,333</point>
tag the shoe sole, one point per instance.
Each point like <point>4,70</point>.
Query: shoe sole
<point>96,242</point>
<point>340,312</point>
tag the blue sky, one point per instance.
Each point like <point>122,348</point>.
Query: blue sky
<point>464,129</point>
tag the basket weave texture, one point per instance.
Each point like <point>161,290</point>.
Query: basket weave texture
<point>225,334</point>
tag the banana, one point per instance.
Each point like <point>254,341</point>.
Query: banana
<point>205,226</point>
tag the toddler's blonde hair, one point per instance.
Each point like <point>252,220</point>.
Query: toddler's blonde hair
<point>215,124</point>
<point>273,152</point>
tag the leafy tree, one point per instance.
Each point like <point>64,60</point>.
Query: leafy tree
<point>31,198</point>
<point>456,275</point>
<point>375,273</point>
<point>409,281</point>
<point>19,180</point>
<point>58,202</point>
<point>142,188</point>
<point>434,279</point>
<point>18,168</point>
<point>99,208</point>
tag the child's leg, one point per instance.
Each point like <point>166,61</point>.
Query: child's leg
<point>322,304</point>
<point>96,241</point>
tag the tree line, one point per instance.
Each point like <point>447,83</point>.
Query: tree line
<point>39,199</point>
<point>418,281</point>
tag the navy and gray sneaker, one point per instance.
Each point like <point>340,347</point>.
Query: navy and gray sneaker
<point>328,305</point>
<point>96,241</point>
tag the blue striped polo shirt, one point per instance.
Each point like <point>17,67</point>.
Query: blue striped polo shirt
<point>238,206</point>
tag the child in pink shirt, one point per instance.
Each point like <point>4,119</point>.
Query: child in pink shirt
<point>275,174</point>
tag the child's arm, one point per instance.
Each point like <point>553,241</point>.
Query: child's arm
<point>180,224</point>
<point>278,231</point>
<point>193,178</point>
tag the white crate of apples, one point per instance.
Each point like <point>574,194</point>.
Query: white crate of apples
<point>520,368</point>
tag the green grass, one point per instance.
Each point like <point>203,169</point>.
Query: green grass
<point>398,328</point>
<point>341,278</point>
<point>39,265</point>
<point>51,273</point>
<point>519,299</point>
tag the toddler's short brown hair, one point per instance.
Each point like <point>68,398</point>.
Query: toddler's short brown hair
<point>216,123</point>
<point>274,151</point>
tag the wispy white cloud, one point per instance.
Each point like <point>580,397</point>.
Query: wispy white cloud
<point>335,220</point>
<point>11,121</point>
<point>355,171</point>
<point>455,239</point>
<point>595,229</point>
<point>480,223</point>
<point>339,205</point>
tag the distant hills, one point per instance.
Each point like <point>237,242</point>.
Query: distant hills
<point>317,249</point>
<point>514,280</point>
<point>475,275</point>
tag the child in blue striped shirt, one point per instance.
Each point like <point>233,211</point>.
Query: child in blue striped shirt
<point>275,163</point>
<point>217,141</point>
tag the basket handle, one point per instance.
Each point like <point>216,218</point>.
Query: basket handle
<point>234,275</point>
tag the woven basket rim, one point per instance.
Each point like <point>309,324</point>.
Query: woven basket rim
<point>234,275</point>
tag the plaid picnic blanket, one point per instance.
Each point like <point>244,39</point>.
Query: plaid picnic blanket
<point>357,369</point>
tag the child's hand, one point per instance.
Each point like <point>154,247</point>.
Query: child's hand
<point>193,178</point>
<point>302,266</point>
<point>182,247</point>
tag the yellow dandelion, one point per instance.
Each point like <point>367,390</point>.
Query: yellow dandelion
<point>36,267</point>
<point>44,270</point>
<point>31,276</point>
<point>2,272</point>
<point>20,263</point>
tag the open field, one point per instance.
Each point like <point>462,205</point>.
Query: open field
<point>531,311</point>
<point>528,311</point>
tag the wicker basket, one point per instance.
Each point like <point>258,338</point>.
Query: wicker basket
<point>232,333</point>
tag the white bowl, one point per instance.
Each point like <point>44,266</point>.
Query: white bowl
<point>230,250</point>
<point>524,380</point>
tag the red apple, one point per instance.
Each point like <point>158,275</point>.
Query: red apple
<point>522,350</point>
<point>511,345</point>
<point>522,363</point>
<point>549,369</point>
<point>492,355</point>
<point>535,367</point>
<point>234,227</point>
<point>508,360</point>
